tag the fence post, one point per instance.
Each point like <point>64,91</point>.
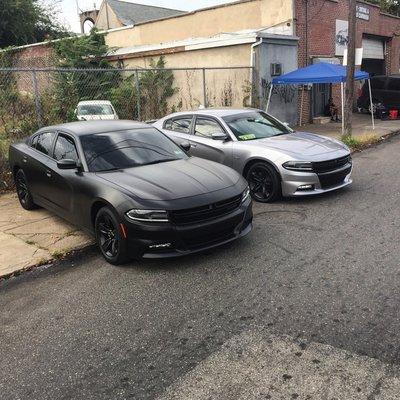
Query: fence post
<point>204,89</point>
<point>37,99</point>
<point>139,111</point>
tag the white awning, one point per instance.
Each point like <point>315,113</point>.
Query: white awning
<point>373,48</point>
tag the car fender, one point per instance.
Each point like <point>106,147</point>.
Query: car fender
<point>256,159</point>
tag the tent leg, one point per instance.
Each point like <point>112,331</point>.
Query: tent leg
<point>342,95</point>
<point>269,97</point>
<point>301,104</point>
<point>371,104</point>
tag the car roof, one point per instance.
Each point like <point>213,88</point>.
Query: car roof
<point>396,76</point>
<point>91,102</point>
<point>81,128</point>
<point>216,112</point>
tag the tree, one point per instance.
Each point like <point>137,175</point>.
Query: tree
<point>156,87</point>
<point>389,6</point>
<point>78,56</point>
<point>28,21</point>
<point>82,51</point>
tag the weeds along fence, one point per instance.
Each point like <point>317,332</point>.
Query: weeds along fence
<point>32,98</point>
<point>46,96</point>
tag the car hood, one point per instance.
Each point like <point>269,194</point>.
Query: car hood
<point>302,145</point>
<point>174,179</point>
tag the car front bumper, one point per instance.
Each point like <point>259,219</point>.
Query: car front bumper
<point>164,240</point>
<point>293,181</point>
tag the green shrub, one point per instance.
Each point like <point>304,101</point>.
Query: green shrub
<point>359,142</point>
<point>124,98</point>
<point>156,87</point>
<point>5,173</point>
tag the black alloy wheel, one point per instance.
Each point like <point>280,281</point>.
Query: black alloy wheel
<point>24,195</point>
<point>109,237</point>
<point>264,182</point>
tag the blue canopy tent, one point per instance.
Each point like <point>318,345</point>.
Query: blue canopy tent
<point>320,73</point>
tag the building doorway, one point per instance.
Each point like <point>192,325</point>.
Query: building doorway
<point>321,93</point>
<point>373,66</point>
<point>373,55</point>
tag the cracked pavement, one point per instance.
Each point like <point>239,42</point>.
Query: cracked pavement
<point>305,307</point>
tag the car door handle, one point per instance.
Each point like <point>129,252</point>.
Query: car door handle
<point>24,160</point>
<point>193,145</point>
<point>48,173</point>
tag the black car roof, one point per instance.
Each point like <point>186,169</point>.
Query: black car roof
<point>80,128</point>
<point>396,76</point>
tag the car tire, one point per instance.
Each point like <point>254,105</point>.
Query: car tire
<point>24,195</point>
<point>264,182</point>
<point>375,105</point>
<point>109,238</point>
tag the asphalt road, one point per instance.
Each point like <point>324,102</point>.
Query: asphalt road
<point>314,288</point>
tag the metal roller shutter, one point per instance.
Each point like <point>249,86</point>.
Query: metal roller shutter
<point>373,48</point>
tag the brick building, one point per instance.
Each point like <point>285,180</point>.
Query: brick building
<point>273,36</point>
<point>321,26</point>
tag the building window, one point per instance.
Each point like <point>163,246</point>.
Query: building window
<point>276,69</point>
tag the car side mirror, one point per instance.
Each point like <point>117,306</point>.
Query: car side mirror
<point>185,146</point>
<point>219,136</point>
<point>68,164</point>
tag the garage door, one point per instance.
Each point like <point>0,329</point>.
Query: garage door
<point>373,48</point>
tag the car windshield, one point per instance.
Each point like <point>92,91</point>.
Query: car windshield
<point>255,125</point>
<point>129,148</point>
<point>95,109</point>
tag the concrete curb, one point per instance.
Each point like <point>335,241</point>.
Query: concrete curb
<point>380,140</point>
<point>69,255</point>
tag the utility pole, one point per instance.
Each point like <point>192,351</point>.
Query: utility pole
<point>351,61</point>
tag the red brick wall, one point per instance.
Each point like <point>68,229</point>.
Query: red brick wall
<point>35,56</point>
<point>321,27</point>
<point>38,56</point>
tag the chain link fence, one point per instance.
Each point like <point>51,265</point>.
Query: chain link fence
<point>32,98</point>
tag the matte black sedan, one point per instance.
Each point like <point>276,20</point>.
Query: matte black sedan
<point>138,192</point>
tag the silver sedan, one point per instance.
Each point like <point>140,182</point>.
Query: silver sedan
<point>274,159</point>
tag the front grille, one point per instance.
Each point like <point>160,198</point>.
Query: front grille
<point>332,179</point>
<point>331,165</point>
<point>209,238</point>
<point>207,212</point>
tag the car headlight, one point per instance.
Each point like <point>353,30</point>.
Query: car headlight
<point>245,194</point>
<point>148,215</point>
<point>298,165</point>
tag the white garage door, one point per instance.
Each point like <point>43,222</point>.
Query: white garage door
<point>373,48</point>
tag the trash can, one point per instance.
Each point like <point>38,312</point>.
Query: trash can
<point>393,114</point>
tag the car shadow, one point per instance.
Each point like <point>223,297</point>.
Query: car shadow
<point>188,261</point>
<point>195,260</point>
<point>317,198</point>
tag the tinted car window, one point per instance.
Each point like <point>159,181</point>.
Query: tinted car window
<point>65,149</point>
<point>181,125</point>
<point>378,83</point>
<point>95,109</point>
<point>127,149</point>
<point>255,125</point>
<point>44,142</point>
<point>394,84</point>
<point>206,127</point>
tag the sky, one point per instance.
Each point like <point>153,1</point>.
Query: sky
<point>68,8</point>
